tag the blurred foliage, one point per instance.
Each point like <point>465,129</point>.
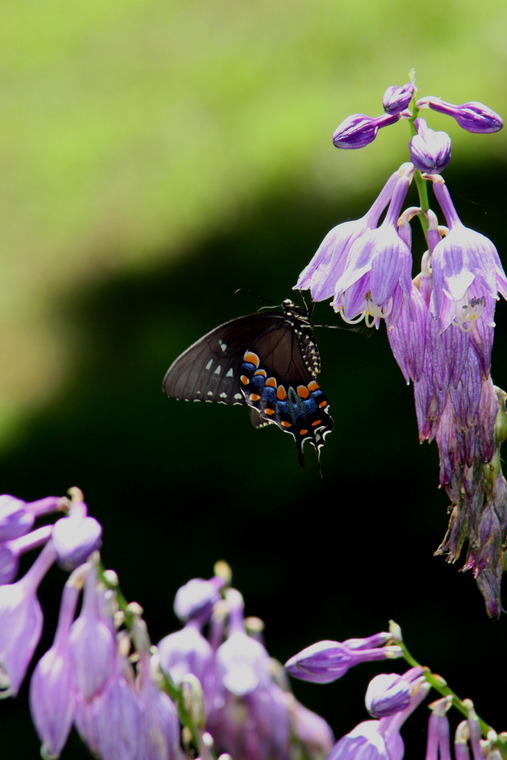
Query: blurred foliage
<point>155,157</point>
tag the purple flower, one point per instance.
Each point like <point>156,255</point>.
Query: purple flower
<point>75,538</point>
<point>187,651</point>
<point>397,99</point>
<point>92,643</point>
<point>52,700</point>
<point>378,739</point>
<point>159,720</point>
<point>311,730</point>
<point>10,551</point>
<point>390,693</point>
<point>472,116</point>
<point>377,274</point>
<point>438,745</point>
<point>467,273</point>
<point>196,598</point>
<point>17,516</point>
<point>359,130</point>
<point>326,661</point>
<point>430,151</point>
<point>326,267</point>
<point>117,716</point>
<point>21,623</point>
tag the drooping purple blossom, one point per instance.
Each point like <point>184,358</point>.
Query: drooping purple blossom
<point>52,696</point>
<point>92,642</point>
<point>327,265</point>
<point>21,622</point>
<point>377,273</point>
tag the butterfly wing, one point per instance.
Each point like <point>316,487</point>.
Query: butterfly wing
<point>267,361</point>
<point>210,369</point>
<point>278,380</point>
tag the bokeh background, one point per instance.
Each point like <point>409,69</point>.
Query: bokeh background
<point>155,156</point>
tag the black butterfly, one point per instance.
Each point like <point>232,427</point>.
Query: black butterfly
<point>267,360</point>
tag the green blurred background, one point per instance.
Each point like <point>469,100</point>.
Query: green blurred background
<point>156,156</point>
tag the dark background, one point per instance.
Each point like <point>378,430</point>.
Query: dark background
<point>178,486</point>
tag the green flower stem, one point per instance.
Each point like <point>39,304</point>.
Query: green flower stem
<point>422,188</point>
<point>440,685</point>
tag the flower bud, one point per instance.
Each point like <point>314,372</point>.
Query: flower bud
<point>359,130</point>
<point>430,151</point>
<point>386,694</point>
<point>472,116</point>
<point>75,538</point>
<point>397,99</point>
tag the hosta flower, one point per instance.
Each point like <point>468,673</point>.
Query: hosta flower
<point>326,267</point>
<point>52,698</point>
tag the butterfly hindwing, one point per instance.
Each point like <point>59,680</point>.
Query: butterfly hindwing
<point>269,362</point>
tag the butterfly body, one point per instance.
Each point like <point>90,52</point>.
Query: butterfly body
<point>267,361</point>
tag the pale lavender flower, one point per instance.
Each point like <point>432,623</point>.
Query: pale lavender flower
<point>196,598</point>
<point>472,116</point>
<point>75,538</point>
<point>52,699</point>
<point>160,728</point>
<point>397,99</point>
<point>21,623</point>
<point>438,746</point>
<point>378,739</point>
<point>326,661</point>
<point>430,151</point>
<point>17,517</point>
<point>10,551</point>
<point>467,273</point>
<point>327,265</point>
<point>187,651</point>
<point>92,643</point>
<point>117,716</point>
<point>377,275</point>
<point>359,130</point>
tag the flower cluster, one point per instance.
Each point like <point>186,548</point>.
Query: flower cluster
<point>191,696</point>
<point>391,698</point>
<point>249,709</point>
<point>440,323</point>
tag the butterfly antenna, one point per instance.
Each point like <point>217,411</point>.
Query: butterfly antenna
<point>255,295</point>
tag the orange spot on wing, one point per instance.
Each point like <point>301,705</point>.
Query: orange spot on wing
<point>269,411</point>
<point>313,385</point>
<point>281,393</point>
<point>303,391</point>
<point>271,382</point>
<point>244,379</point>
<point>303,432</point>
<point>254,397</point>
<point>251,358</point>
<point>285,424</point>
<point>316,422</point>
<point>261,372</point>
<point>323,403</point>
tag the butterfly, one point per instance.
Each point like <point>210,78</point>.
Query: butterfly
<point>268,361</point>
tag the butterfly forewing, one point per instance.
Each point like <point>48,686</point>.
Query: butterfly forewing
<point>210,369</point>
